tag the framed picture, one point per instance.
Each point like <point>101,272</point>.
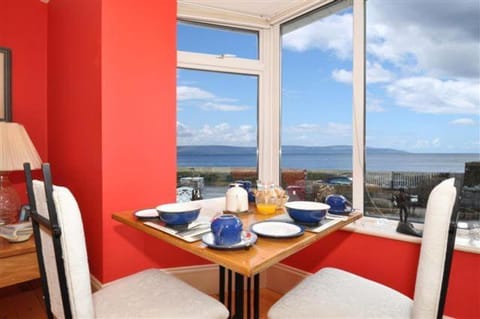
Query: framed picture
<point>5,85</point>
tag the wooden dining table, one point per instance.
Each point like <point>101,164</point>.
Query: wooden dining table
<point>244,263</point>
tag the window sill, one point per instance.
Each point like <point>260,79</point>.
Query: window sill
<point>379,227</point>
<point>386,228</point>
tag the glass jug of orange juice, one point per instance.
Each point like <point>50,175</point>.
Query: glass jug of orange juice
<point>267,197</point>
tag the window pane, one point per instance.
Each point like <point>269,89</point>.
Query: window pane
<point>216,130</point>
<point>423,103</point>
<point>202,38</point>
<point>317,104</point>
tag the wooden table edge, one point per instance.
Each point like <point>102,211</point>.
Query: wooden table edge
<point>127,218</point>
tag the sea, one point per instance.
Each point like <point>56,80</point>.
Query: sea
<point>327,159</point>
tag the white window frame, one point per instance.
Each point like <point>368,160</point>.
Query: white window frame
<point>268,68</point>
<point>359,101</point>
<point>268,141</point>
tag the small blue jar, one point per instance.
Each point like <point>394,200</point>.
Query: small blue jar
<point>227,230</point>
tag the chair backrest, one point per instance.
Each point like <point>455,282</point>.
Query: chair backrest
<point>61,248</point>
<point>436,251</point>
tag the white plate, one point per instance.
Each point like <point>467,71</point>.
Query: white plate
<point>277,229</point>
<point>146,213</point>
<point>248,239</point>
<point>20,238</point>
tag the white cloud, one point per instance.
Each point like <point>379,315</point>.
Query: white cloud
<point>339,129</point>
<point>374,105</point>
<point>306,127</point>
<point>219,134</point>
<point>211,106</point>
<point>415,36</point>
<point>333,33</point>
<point>463,121</point>
<point>430,95</point>
<point>213,102</point>
<point>422,144</point>
<point>433,36</point>
<point>331,133</point>
<point>376,73</point>
<point>183,130</point>
<point>246,129</point>
<point>192,93</point>
<point>418,41</point>
<point>330,128</point>
<point>342,76</point>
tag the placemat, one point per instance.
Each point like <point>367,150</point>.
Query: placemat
<point>190,236</point>
<point>325,223</point>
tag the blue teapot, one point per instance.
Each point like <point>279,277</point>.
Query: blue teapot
<point>338,204</point>
<point>227,230</point>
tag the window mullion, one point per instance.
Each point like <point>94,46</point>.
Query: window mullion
<point>358,165</point>
<point>269,109</point>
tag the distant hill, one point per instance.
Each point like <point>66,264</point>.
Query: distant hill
<point>287,149</point>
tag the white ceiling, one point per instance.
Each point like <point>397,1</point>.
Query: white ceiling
<point>261,8</point>
<point>265,10</point>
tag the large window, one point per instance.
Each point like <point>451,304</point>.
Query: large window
<point>423,104</point>
<point>217,107</point>
<point>422,107</point>
<point>317,104</point>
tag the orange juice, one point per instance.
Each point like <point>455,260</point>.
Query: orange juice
<point>266,209</point>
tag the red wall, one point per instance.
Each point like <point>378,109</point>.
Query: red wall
<point>24,31</point>
<point>393,263</point>
<point>138,128</point>
<point>75,112</point>
<point>111,137</point>
<point>112,122</point>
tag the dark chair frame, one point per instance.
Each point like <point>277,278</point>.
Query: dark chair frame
<point>49,224</point>
<point>452,233</point>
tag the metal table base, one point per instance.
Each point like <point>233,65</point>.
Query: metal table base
<point>239,294</point>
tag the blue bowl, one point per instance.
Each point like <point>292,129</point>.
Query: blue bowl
<point>178,213</point>
<point>307,212</point>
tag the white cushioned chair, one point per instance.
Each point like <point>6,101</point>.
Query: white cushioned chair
<point>59,233</point>
<point>334,293</point>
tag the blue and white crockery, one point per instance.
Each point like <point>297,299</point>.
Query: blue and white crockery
<point>306,212</point>
<point>248,187</point>
<point>227,229</point>
<point>178,213</point>
<point>338,204</point>
<point>236,199</point>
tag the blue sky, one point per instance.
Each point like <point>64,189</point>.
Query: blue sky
<point>423,87</point>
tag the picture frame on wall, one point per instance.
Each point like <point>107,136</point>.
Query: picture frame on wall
<point>5,84</point>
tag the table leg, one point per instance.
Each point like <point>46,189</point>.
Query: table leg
<point>249,299</point>
<point>221,284</point>
<point>238,296</point>
<point>256,296</point>
<point>229,291</point>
